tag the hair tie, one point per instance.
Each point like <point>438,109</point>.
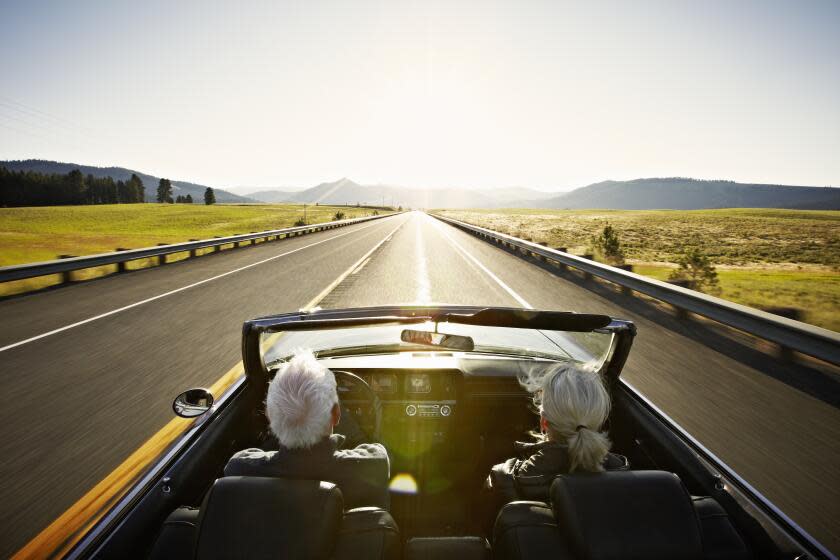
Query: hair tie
<point>580,427</point>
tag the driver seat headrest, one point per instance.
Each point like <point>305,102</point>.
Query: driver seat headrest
<point>627,514</point>
<point>256,517</point>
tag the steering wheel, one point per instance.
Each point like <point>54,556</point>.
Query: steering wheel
<point>370,417</point>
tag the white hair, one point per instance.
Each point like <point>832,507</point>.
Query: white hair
<point>300,400</point>
<point>575,405</point>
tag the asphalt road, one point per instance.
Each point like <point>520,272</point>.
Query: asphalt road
<point>74,404</point>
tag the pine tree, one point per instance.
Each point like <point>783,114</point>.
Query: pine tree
<point>188,199</point>
<point>209,196</point>
<point>607,246</point>
<point>136,189</point>
<point>696,267</point>
<point>164,191</point>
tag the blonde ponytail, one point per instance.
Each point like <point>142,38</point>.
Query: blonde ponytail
<point>575,405</point>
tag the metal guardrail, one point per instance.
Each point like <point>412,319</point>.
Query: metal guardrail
<point>65,266</point>
<point>794,335</point>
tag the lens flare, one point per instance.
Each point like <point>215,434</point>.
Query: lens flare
<point>403,483</point>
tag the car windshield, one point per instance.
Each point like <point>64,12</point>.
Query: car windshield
<point>584,347</point>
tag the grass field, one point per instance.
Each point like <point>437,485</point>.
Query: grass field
<point>44,233</point>
<point>764,257</point>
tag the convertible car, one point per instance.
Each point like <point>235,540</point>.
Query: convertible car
<point>442,389</point>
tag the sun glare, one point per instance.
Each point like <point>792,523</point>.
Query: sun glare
<point>403,483</point>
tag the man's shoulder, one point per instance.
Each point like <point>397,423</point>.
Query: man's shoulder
<point>252,454</point>
<point>244,462</point>
<point>369,451</point>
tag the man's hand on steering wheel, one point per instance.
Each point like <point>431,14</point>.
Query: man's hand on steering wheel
<point>363,427</point>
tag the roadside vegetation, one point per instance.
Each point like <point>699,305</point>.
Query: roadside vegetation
<point>759,257</point>
<point>33,234</point>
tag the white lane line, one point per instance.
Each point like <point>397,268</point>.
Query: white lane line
<point>175,291</point>
<point>355,266</point>
<point>360,267</point>
<point>424,289</point>
<point>468,255</point>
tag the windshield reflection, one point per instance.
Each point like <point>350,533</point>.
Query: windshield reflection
<point>584,347</point>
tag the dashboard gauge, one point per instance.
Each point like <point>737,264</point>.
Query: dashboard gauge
<point>384,382</point>
<point>419,383</point>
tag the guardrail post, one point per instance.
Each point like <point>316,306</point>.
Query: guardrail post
<point>785,354</point>
<point>162,258</point>
<point>681,313</point>
<point>587,275</point>
<point>193,251</point>
<point>560,265</point>
<point>624,289</point>
<point>66,276</point>
<point>217,248</point>
<point>121,266</point>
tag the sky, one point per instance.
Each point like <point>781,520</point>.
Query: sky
<point>550,95</point>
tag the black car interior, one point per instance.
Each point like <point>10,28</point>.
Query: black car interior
<point>642,513</point>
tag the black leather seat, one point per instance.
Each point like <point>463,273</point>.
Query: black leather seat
<point>447,548</point>
<point>255,517</point>
<point>367,532</point>
<point>632,514</point>
<point>720,539</point>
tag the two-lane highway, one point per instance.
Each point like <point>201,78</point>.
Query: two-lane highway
<point>77,402</point>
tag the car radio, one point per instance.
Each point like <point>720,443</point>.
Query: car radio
<point>429,409</point>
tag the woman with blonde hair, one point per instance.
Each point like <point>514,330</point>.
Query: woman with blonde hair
<point>573,405</point>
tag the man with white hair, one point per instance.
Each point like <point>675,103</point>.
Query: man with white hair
<point>303,409</point>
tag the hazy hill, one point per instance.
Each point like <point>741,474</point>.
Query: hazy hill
<point>271,195</point>
<point>510,194</point>
<point>345,191</point>
<point>150,182</point>
<point>690,194</point>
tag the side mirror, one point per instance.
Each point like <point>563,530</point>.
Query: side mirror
<point>192,403</point>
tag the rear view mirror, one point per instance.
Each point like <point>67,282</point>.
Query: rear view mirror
<point>192,403</point>
<point>448,341</point>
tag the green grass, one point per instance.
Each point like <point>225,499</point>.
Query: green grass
<point>43,233</point>
<point>815,292</point>
<point>729,236</point>
<point>765,257</point>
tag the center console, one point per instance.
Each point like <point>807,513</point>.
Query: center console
<point>418,407</point>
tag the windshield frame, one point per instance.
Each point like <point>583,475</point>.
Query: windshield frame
<point>327,319</point>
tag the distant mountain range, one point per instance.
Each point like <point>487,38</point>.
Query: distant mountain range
<point>676,193</point>
<point>669,193</point>
<point>679,193</point>
<point>150,182</point>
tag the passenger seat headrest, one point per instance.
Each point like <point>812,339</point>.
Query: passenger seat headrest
<point>626,514</point>
<point>255,517</point>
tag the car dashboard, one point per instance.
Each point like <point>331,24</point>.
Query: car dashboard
<point>434,404</point>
